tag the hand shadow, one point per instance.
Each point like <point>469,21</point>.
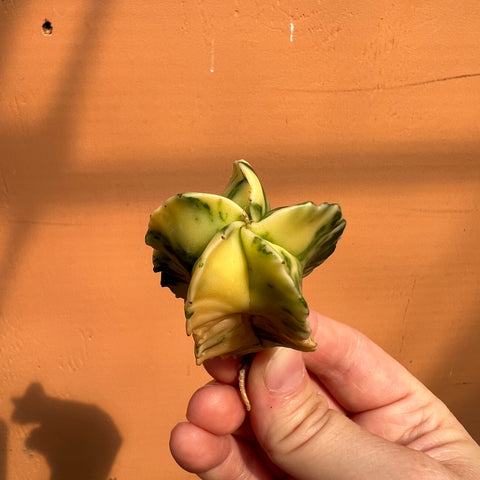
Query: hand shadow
<point>79,441</point>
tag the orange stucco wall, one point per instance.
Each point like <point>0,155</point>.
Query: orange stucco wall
<point>374,105</point>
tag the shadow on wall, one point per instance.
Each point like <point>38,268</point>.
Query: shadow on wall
<point>78,440</point>
<point>3,450</point>
<point>34,165</point>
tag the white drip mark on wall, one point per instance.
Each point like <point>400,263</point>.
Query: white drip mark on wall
<point>212,56</point>
<point>292,28</point>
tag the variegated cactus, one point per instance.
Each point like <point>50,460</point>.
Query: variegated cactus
<point>239,265</point>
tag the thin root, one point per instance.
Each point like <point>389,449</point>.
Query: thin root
<point>243,369</point>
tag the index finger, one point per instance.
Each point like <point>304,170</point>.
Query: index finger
<point>224,370</point>
<point>356,371</point>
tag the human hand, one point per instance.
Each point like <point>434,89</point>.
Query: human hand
<point>346,411</point>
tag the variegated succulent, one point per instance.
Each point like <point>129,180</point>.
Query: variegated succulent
<point>239,265</point>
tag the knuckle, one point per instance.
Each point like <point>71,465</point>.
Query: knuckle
<point>302,422</point>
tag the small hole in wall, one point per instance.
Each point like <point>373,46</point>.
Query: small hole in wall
<point>47,27</point>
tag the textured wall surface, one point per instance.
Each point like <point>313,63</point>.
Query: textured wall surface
<point>113,106</point>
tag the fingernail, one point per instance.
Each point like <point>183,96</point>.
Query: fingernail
<point>284,371</point>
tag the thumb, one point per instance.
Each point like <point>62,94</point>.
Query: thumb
<point>308,440</point>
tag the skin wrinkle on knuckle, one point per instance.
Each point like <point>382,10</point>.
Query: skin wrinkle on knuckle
<point>298,426</point>
<point>405,420</point>
<point>446,447</point>
<point>427,423</point>
<point>430,427</point>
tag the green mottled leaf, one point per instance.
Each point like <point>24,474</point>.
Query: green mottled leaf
<point>218,295</point>
<point>181,228</point>
<point>276,300</point>
<point>245,189</point>
<point>308,231</point>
